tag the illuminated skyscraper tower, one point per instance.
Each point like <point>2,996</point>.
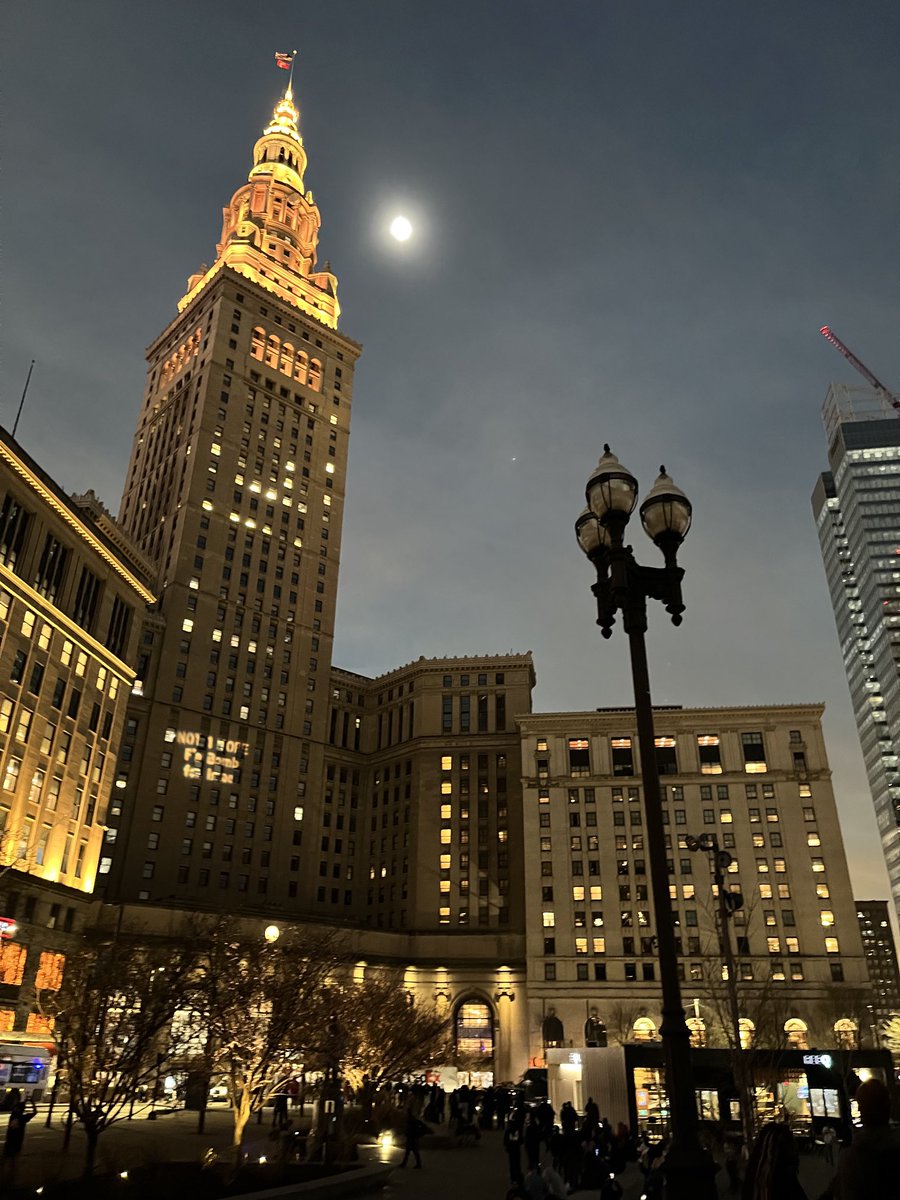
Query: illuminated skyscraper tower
<point>235,491</point>
<point>857,509</point>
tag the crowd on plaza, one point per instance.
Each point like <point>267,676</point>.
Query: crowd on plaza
<point>551,1155</point>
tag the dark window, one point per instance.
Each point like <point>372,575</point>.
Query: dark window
<point>666,759</point>
<point>13,528</point>
<point>119,622</point>
<point>579,757</point>
<point>85,608</point>
<point>51,568</point>
<point>622,757</point>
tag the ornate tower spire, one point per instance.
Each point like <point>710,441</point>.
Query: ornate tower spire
<point>270,230</point>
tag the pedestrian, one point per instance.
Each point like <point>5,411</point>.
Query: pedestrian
<point>415,1131</point>
<point>829,1137</point>
<point>280,1108</point>
<point>15,1132</point>
<point>773,1165</point>
<point>512,1144</point>
<point>870,1166</point>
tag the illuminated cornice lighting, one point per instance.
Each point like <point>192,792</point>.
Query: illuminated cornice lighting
<point>74,523</point>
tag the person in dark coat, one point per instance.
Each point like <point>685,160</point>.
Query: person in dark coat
<point>773,1165</point>
<point>414,1132</point>
<point>19,1116</point>
<point>512,1144</point>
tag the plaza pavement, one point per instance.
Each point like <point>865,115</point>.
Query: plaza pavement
<point>476,1172</point>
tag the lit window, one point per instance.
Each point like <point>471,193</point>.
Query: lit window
<point>446,762</point>
<point>581,946</point>
<point>298,812</point>
<point>817,864</point>
<point>549,920</point>
<point>446,812</point>
<point>578,892</point>
<point>329,467</point>
<point>596,892</point>
<point>832,946</point>
<point>826,916</point>
<point>774,945</point>
<point>813,839</point>
<point>446,788</point>
<point>822,891</point>
<point>445,862</point>
<point>187,625</point>
<point>445,885</point>
<point>598,945</point>
<point>50,971</point>
<point>446,837</point>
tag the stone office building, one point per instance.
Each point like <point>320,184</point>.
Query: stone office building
<point>72,594</point>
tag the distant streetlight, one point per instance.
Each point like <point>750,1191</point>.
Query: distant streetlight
<point>272,933</point>
<point>624,586</point>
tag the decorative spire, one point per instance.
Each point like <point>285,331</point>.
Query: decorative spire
<point>270,230</point>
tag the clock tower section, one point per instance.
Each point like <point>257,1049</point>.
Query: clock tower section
<point>235,491</point>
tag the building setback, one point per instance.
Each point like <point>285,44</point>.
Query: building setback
<point>857,509</point>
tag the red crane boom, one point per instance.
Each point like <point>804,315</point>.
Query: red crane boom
<point>851,358</point>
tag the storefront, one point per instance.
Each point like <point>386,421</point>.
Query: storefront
<point>807,1089</point>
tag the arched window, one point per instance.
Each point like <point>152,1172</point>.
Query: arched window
<point>272,348</point>
<point>287,359</point>
<point>474,1027</point>
<point>301,366</point>
<point>594,1032</point>
<point>644,1030</point>
<point>748,1033</point>
<point>257,343</point>
<point>797,1033</point>
<point>846,1034</point>
<point>552,1030</point>
<point>315,375</point>
<point>697,1027</point>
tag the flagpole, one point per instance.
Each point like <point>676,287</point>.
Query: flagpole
<point>291,75</point>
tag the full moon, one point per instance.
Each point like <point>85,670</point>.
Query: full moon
<point>401,229</point>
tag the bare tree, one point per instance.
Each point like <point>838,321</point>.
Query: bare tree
<point>262,1008</point>
<point>620,1019</point>
<point>111,1018</point>
<point>387,1034</point>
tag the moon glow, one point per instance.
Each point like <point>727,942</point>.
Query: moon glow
<point>400,229</point>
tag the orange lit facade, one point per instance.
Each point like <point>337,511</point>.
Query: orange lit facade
<point>72,597</point>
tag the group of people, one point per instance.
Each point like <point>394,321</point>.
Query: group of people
<point>575,1153</point>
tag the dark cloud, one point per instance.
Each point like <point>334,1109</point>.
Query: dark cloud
<point>631,220</point>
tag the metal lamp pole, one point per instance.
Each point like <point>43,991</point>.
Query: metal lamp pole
<point>625,586</point>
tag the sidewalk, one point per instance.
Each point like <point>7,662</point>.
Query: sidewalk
<point>476,1172</point>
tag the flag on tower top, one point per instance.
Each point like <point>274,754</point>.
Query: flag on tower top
<point>283,60</point>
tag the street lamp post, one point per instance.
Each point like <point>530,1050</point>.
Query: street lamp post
<point>624,586</point>
<point>727,904</point>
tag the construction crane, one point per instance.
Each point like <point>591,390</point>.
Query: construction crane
<point>851,358</point>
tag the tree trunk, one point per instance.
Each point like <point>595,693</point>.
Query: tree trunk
<point>241,1112</point>
<point>92,1134</point>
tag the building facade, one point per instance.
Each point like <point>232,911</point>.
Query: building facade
<point>72,596</point>
<point>881,958</point>
<point>758,779</point>
<point>235,491</point>
<point>857,509</point>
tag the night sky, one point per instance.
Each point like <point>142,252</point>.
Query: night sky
<point>630,220</point>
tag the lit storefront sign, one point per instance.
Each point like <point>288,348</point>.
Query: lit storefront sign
<point>216,760</point>
<point>817,1060</point>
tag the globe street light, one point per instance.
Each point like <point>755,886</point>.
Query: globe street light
<point>624,586</point>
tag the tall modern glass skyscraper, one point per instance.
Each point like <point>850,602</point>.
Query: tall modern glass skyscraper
<point>857,509</point>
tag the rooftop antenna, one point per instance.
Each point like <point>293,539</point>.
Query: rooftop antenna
<point>22,401</point>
